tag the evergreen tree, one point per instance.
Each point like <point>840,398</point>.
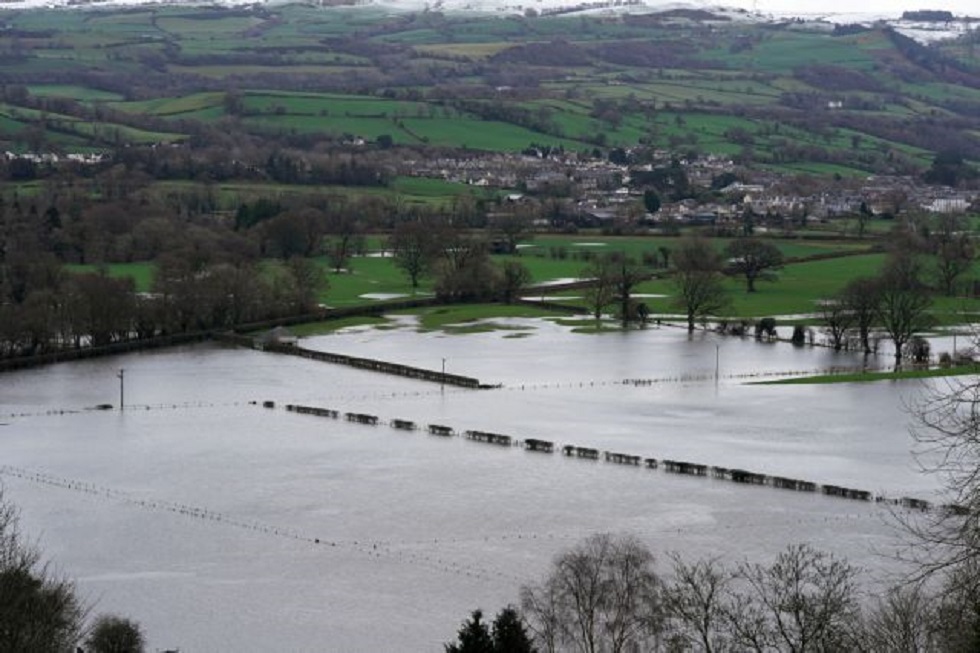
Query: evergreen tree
<point>473,636</point>
<point>112,634</point>
<point>509,634</point>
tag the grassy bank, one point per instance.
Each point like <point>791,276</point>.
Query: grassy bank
<point>870,377</point>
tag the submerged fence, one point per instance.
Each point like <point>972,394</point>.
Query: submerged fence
<point>684,468</point>
<point>384,367</point>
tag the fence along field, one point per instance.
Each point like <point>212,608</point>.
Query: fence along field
<point>738,476</point>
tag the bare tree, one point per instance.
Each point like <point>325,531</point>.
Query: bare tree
<point>860,298</point>
<point>805,601</point>
<point>903,300</point>
<point>416,242</point>
<point>602,595</point>
<point>543,608</point>
<point>626,275</point>
<point>946,429</point>
<point>754,259</point>
<point>953,251</point>
<point>346,233</point>
<point>294,233</point>
<point>511,227</point>
<point>601,291</point>
<point>902,621</point>
<point>944,543</point>
<point>695,605</point>
<point>514,276</point>
<point>838,318</point>
<point>956,619</point>
<point>465,272</point>
<point>699,280</point>
<point>307,282</point>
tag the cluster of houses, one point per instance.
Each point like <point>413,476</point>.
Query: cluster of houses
<point>602,190</point>
<point>85,158</point>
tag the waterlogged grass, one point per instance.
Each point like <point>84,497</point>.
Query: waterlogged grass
<point>797,292</point>
<point>332,326</point>
<point>472,318</point>
<point>484,326</point>
<point>590,326</point>
<point>869,377</point>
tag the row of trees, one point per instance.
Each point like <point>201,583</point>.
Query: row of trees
<point>41,612</point>
<point>208,277</point>
<point>607,595</point>
<point>896,300</point>
<point>72,310</point>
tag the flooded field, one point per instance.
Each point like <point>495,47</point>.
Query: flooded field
<point>223,525</point>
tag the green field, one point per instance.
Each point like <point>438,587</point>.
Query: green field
<point>713,90</point>
<point>80,93</point>
<point>793,298</point>
<point>140,273</point>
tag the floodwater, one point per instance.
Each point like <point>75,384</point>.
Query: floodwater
<point>222,525</point>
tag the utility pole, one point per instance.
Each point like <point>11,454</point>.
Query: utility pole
<point>442,379</point>
<point>122,389</point>
<point>717,362</point>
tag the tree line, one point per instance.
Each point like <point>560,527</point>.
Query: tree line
<point>921,260</point>
<point>260,264</point>
<point>610,594</point>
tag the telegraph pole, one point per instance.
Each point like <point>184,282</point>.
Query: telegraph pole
<point>122,389</point>
<point>717,362</point>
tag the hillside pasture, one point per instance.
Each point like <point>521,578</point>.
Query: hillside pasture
<point>73,92</point>
<point>174,106</point>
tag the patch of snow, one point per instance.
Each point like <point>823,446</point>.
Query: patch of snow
<point>559,281</point>
<point>549,298</point>
<point>383,295</point>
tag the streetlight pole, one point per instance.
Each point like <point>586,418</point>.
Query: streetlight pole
<point>442,379</point>
<point>717,362</point>
<point>122,389</point>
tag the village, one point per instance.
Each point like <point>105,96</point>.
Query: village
<point>705,190</point>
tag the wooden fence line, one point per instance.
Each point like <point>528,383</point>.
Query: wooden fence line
<point>385,367</point>
<point>740,476</point>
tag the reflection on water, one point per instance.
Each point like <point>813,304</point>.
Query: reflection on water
<point>221,525</point>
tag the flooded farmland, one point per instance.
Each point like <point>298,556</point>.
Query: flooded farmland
<point>220,524</point>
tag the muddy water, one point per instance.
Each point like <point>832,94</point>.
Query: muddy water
<point>222,525</point>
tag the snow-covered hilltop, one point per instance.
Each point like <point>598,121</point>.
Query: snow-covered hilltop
<point>812,11</point>
<point>837,11</point>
